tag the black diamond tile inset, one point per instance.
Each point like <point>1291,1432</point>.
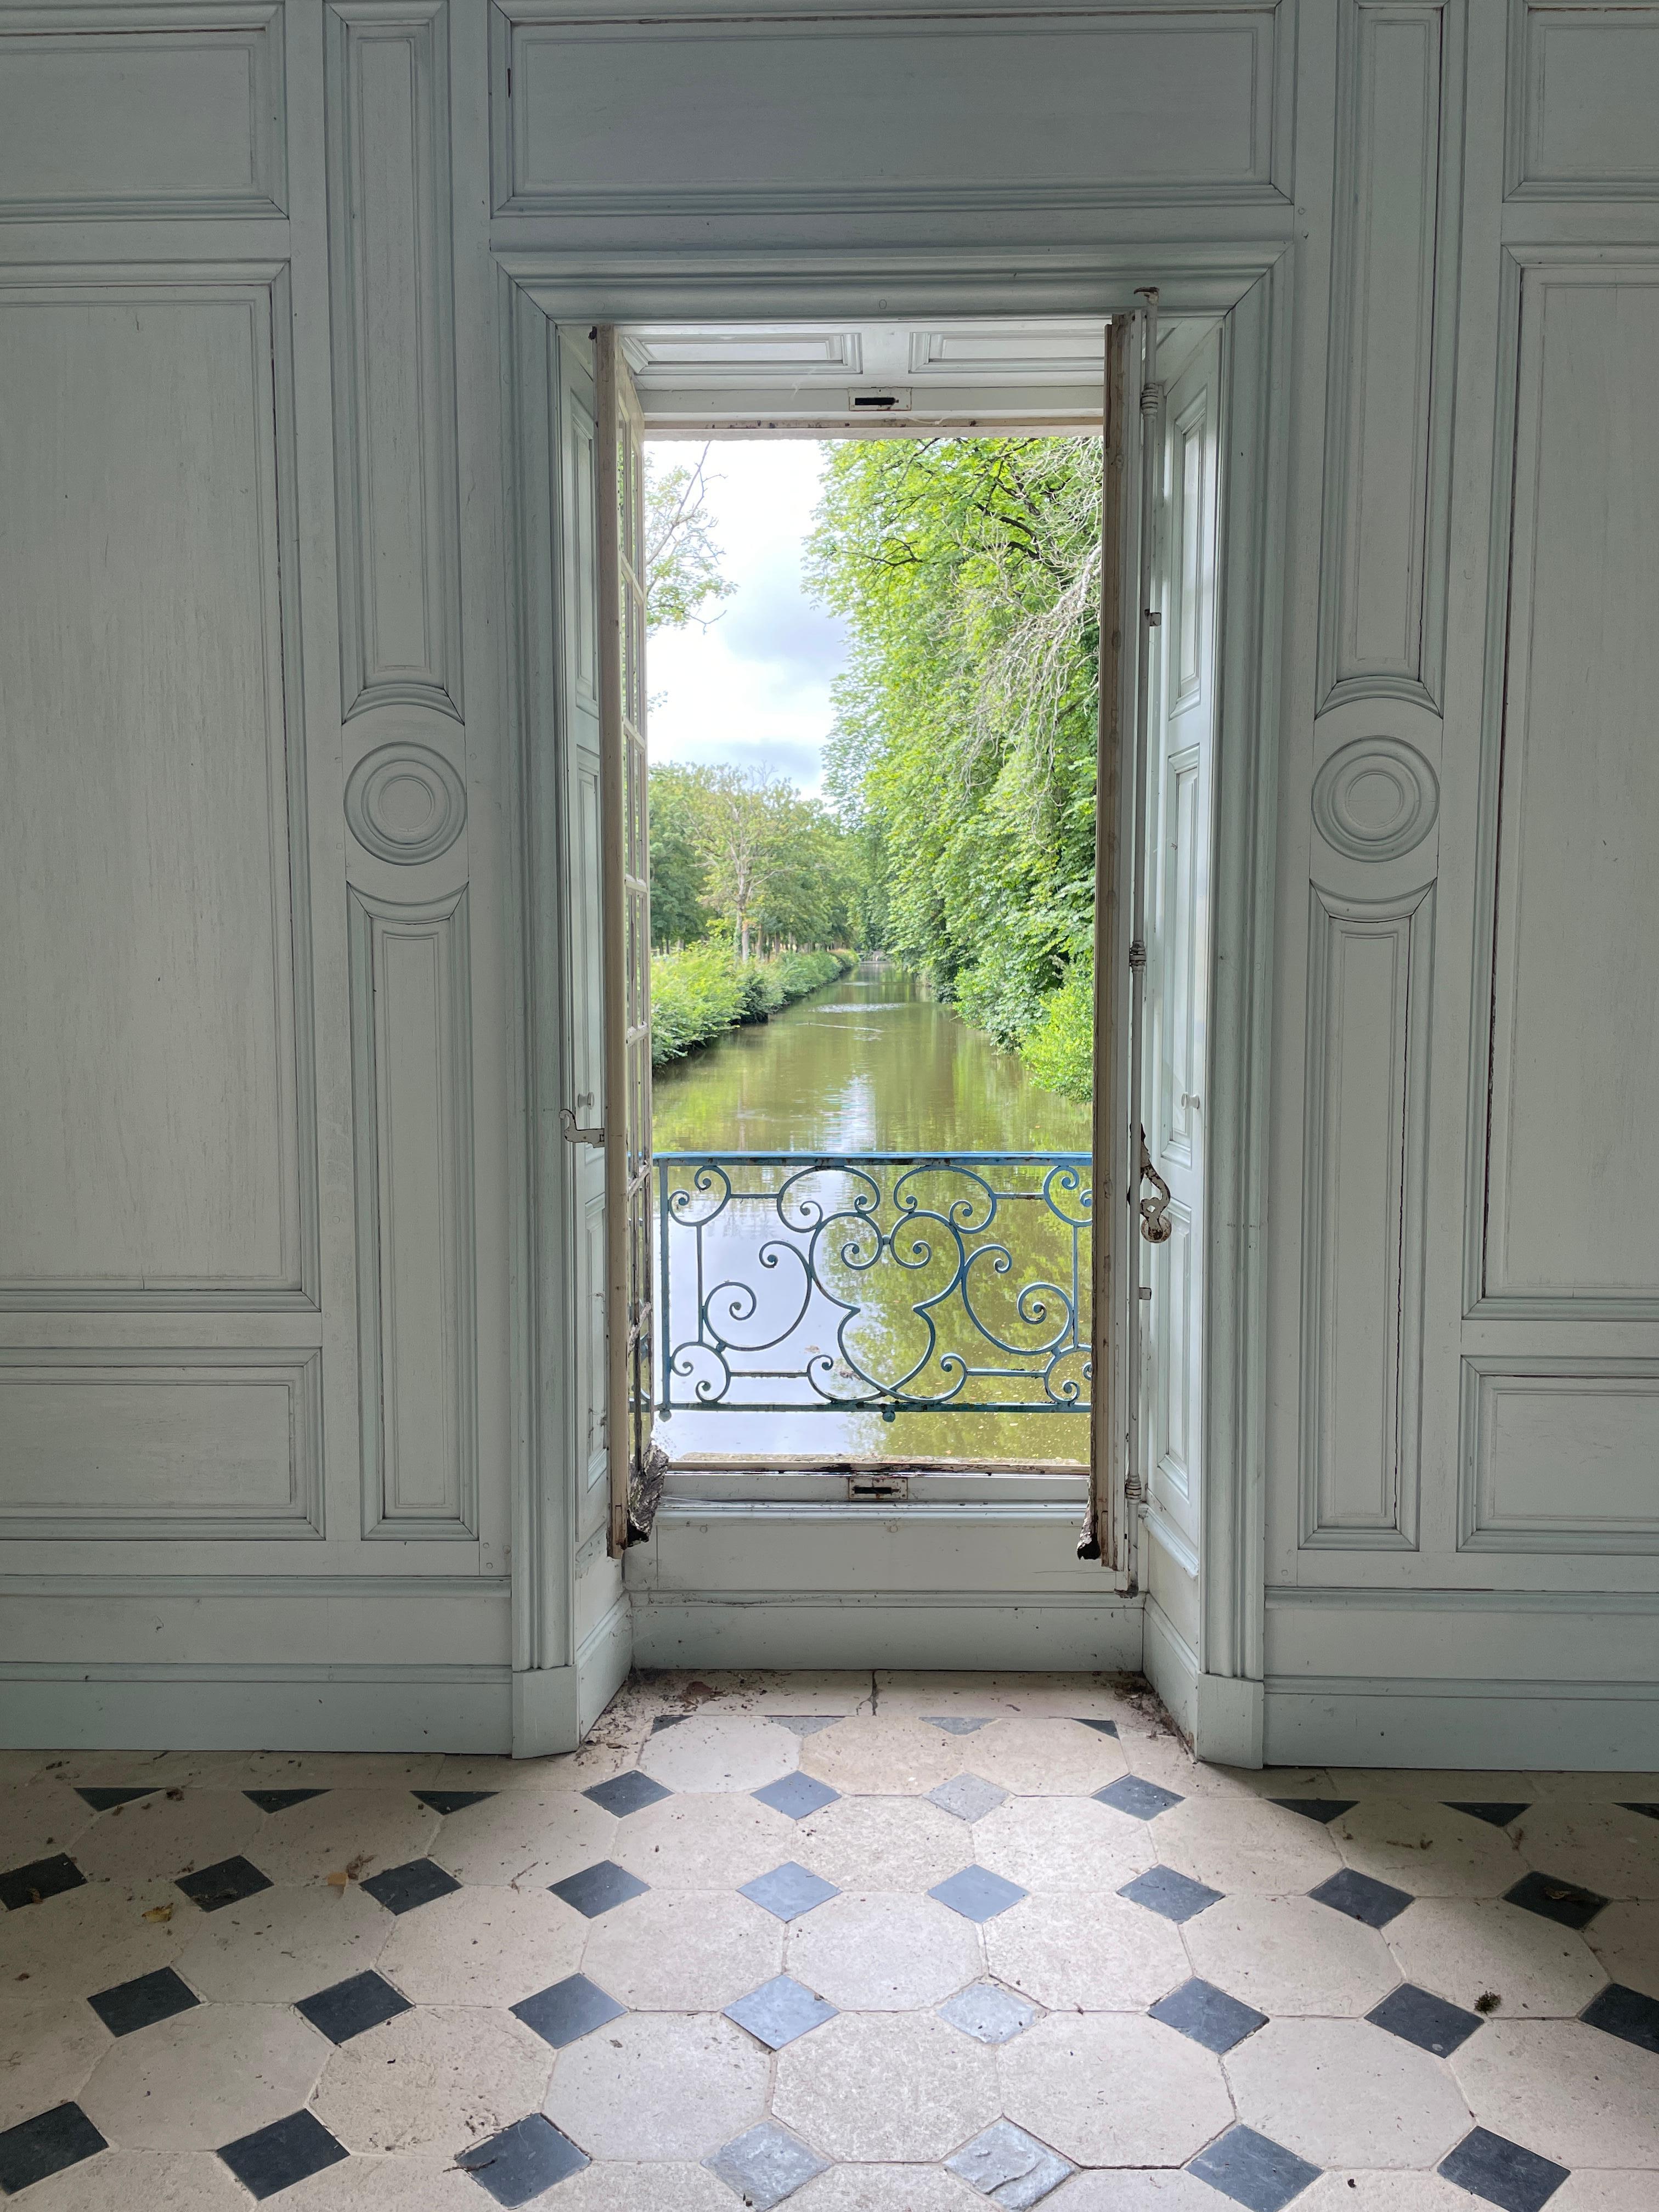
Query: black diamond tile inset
<point>797,1795</point>
<point>133,2005</point>
<point>1325,1809</point>
<point>779,2011</point>
<point>418,1882</point>
<point>523,2161</point>
<point>568,2011</point>
<point>278,1800</point>
<point>1627,2014</point>
<point>228,1883</point>
<point>101,1800</point>
<point>1419,2016</point>
<point>957,1723</point>
<point>1501,2172</point>
<point>46,2144</point>
<point>1555,1899</point>
<point>1362,1898</point>
<point>348,2008</point>
<point>597,1889</point>
<point>1134,1795</point>
<point>1495,1816</point>
<point>1253,2170</point>
<point>40,1878</point>
<point>1208,2015</point>
<point>1177,1896</point>
<point>668,1719</point>
<point>977,1894</point>
<point>627,1793</point>
<point>274,2157</point>
<point>1652,1811</point>
<point>1101,1727</point>
<point>454,1801</point>
<point>788,1890</point>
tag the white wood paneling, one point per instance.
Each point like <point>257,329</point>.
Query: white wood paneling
<point>391,279</point>
<point>680,112</point>
<point>174,109</point>
<point>1558,1455</point>
<point>1370,968</point>
<point>161,1443</point>
<point>1583,119</point>
<point>155,1103</point>
<point>1393,296</point>
<point>411,1031</point>
<point>1565,1219</point>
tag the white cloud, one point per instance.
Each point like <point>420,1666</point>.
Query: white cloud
<point>754,687</point>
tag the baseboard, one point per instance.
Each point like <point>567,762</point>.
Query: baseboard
<point>1171,1668</point>
<point>602,1662</point>
<point>1406,1722</point>
<point>49,1705</point>
<point>931,1630</point>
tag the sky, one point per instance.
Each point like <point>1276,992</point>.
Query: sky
<point>753,688</point>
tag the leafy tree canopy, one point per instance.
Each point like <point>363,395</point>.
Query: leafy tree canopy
<point>683,579</point>
<point>744,851</point>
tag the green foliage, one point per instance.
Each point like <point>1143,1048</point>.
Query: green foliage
<point>963,752</point>
<point>683,578</point>
<point>747,851</point>
<point>701,990</point>
<point>1058,1048</point>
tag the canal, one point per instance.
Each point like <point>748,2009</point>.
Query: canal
<point>978,1271</point>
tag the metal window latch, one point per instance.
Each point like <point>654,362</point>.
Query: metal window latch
<point>1156,1226</point>
<point>575,1135</point>
<point>868,1488</point>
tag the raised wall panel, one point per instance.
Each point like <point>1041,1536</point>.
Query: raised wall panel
<point>1564,1192</point>
<point>175,1443</point>
<point>1180,1003</point>
<point>412,1075</point>
<point>1366,1117</point>
<point>1584,102</point>
<point>663,111</point>
<point>143,111</point>
<point>1178,1335</point>
<point>156,1140</point>
<point>1393,316</point>
<point>391,266</point>
<point>1558,1456</point>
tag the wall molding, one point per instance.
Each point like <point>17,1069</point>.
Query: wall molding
<point>1481,1523</point>
<point>297,1371</point>
<point>411,1032</point>
<point>391,287</point>
<point>1393,333</point>
<point>519,28</point>
<point>1391,760</point>
<point>1531,172</point>
<point>275,1588</point>
<point>377,826</point>
<point>1524,272</point>
<point>1331,1597</point>
<point>263,288</point>
<point>169,33</point>
<point>1385,1517</point>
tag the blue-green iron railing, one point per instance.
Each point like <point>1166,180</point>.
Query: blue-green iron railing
<point>889,1282</point>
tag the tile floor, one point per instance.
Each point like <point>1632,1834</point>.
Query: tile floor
<point>902,1945</point>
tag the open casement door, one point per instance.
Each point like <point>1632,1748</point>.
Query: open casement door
<point>636,1464</point>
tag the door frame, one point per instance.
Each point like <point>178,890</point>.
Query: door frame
<point>560,1674</point>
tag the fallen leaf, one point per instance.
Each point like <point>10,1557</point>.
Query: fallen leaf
<point>338,1878</point>
<point>162,1912</point>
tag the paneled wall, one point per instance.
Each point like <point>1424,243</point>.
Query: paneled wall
<point>294,1433</point>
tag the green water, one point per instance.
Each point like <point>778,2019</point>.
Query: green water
<point>871,1064</point>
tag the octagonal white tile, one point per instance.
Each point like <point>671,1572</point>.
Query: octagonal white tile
<point>1077,1953</point>
<point>660,2086</point>
<point>382,2183</point>
<point>1344,2191</point>
<point>145,2181</point>
<point>369,1830</point>
<point>532,1839</point>
<point>1625,1938</point>
<point>433,2082</point>
<point>720,1752</point>
<point>1063,1843</point>
<point>1046,1757</point>
<point>48,2047</point>
<point>878,1755</point>
<point>899,1843</point>
<point>680,1950</point>
<point>885,2087</point>
<point>282,1944</point>
<point>1568,2092</point>
<point>1600,1847</point>
<point>1342,2093</point>
<point>89,1938</point>
<point>1114,2089</point>
<point>1241,1842</point>
<point>705,1841</point>
<point>1290,1955</point>
<point>884,2188</point>
<point>203,2077</point>
<point>640,2186</point>
<point>38,1817</point>
<point>1426,1848</point>
<point>1468,1947</point>
<point>1149,2190</point>
<point>483,1946</point>
<point>160,1837</point>
<point>883,1952</point>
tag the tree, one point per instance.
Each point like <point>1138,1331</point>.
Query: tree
<point>964,755</point>
<point>680,913</point>
<point>747,851</point>
<point>683,578</point>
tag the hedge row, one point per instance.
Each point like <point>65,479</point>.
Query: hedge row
<point>702,990</point>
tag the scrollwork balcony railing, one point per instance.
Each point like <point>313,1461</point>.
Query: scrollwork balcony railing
<point>889,1282</point>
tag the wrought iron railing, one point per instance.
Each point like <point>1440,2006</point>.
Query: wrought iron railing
<point>889,1282</point>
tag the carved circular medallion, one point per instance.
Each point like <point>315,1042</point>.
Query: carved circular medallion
<point>1374,798</point>
<point>405,803</point>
